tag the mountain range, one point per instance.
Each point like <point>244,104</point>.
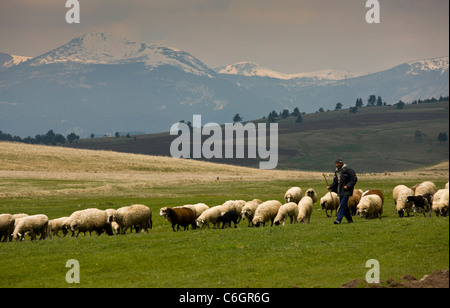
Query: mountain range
<point>99,83</point>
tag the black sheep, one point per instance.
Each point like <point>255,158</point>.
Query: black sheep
<point>228,217</point>
<point>422,202</point>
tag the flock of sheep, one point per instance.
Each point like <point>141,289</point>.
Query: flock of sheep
<point>110,221</point>
<point>423,197</point>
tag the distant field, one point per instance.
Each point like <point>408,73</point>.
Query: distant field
<point>375,139</point>
<point>58,181</point>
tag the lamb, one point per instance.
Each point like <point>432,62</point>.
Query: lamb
<point>293,194</point>
<point>287,210</point>
<point>210,215</point>
<point>90,220</point>
<point>114,225</point>
<point>248,211</point>
<point>400,194</point>
<point>136,215</point>
<point>311,193</point>
<point>420,203</point>
<point>266,211</point>
<point>6,227</point>
<point>330,202</point>
<point>374,192</point>
<point>35,225</point>
<point>305,208</point>
<point>370,206</point>
<point>181,217</point>
<point>228,217</point>
<point>58,224</point>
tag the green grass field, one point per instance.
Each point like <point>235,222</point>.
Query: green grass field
<point>320,254</point>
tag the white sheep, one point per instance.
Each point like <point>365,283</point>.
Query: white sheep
<point>18,216</point>
<point>370,206</point>
<point>233,205</point>
<point>330,202</point>
<point>305,208</point>
<point>58,224</point>
<point>266,211</point>
<point>312,194</point>
<point>443,203</point>
<point>136,215</point>
<point>248,211</point>
<point>293,194</point>
<point>287,210</point>
<point>436,201</point>
<point>197,208</point>
<point>6,227</point>
<point>400,194</point>
<point>35,225</point>
<point>446,186</point>
<point>424,188</point>
<point>211,215</point>
<point>90,220</point>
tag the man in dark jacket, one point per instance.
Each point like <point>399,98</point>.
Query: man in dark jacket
<point>343,184</point>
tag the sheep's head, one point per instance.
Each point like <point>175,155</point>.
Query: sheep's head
<point>288,198</point>
<point>16,236</point>
<point>362,209</point>
<point>257,222</point>
<point>444,210</point>
<point>199,222</point>
<point>323,204</point>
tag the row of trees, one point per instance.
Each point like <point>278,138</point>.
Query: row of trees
<point>50,138</point>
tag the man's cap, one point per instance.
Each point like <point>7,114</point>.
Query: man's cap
<point>339,160</point>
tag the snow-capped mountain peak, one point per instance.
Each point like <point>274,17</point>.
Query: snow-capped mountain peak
<point>103,48</point>
<point>7,60</point>
<point>254,69</point>
<point>427,65</point>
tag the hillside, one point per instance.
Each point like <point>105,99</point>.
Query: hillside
<point>375,139</point>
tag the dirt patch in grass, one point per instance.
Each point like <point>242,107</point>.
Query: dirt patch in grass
<point>438,279</point>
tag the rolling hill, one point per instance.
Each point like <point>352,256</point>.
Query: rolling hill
<point>375,139</point>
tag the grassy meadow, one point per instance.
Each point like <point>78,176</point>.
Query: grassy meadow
<point>57,182</point>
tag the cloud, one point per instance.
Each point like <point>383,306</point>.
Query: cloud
<point>287,35</point>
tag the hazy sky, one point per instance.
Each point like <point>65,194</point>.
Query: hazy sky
<point>290,36</point>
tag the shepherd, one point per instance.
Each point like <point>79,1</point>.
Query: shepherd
<point>344,181</point>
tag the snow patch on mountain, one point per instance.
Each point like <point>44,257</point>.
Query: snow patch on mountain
<point>428,65</point>
<point>7,60</point>
<point>103,48</point>
<point>254,69</point>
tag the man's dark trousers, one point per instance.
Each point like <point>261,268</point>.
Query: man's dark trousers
<point>344,210</point>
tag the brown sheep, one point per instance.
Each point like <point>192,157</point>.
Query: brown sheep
<point>353,201</point>
<point>181,217</point>
<point>374,192</point>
